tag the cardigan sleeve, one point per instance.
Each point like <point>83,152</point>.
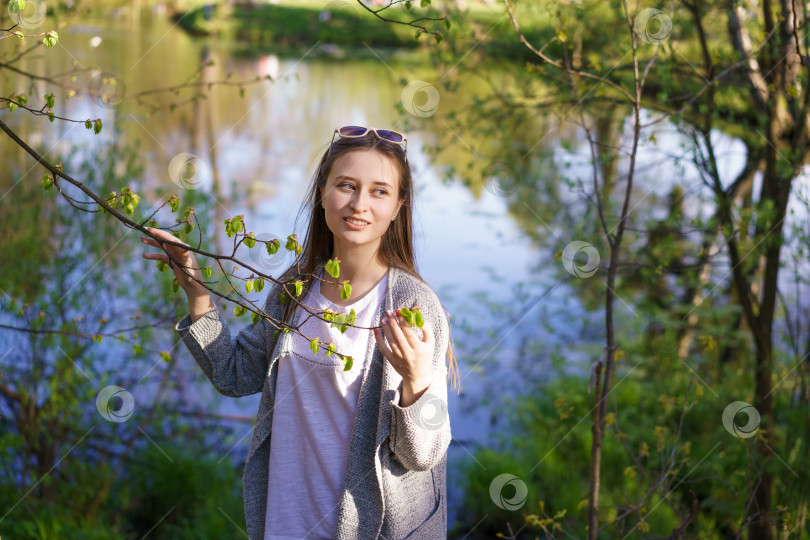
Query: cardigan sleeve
<point>239,367</point>
<point>420,433</point>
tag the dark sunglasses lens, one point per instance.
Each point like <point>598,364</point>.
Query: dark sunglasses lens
<point>392,136</point>
<point>352,131</point>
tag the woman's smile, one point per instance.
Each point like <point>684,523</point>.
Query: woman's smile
<point>356,224</point>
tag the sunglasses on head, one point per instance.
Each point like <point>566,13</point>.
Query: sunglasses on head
<point>360,131</point>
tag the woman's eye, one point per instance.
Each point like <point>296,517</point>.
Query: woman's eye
<point>382,191</point>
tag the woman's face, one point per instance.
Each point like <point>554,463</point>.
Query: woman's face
<point>362,184</point>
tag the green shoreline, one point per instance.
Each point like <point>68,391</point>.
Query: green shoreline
<point>348,31</point>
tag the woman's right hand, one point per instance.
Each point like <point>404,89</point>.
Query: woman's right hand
<point>184,256</point>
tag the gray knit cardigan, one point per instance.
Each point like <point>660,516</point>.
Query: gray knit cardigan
<point>395,478</point>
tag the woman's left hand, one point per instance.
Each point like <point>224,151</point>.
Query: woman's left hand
<point>409,356</point>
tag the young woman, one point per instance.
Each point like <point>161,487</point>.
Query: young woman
<point>347,454</point>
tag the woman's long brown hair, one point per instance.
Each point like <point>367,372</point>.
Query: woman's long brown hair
<point>396,247</point>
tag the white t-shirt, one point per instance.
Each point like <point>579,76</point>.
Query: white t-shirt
<point>313,415</point>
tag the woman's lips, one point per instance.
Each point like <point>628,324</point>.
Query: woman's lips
<point>354,226</point>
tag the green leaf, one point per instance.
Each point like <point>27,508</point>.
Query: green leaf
<point>346,291</point>
<point>407,5</point>
<point>162,266</point>
<point>250,240</point>
<point>419,319</point>
<point>50,38</point>
<point>136,348</point>
<point>299,286</point>
<point>97,126</point>
<point>88,124</point>
<point>291,242</point>
<point>272,246</point>
<point>17,6</point>
<point>50,115</point>
<point>424,3</point>
<point>447,23</point>
<point>49,100</point>
<point>233,226</point>
<point>206,270</point>
<point>175,285</point>
<point>330,349</point>
<point>438,37</point>
<point>348,361</point>
<point>333,267</point>
<point>165,356</point>
<point>254,317</point>
<point>249,285</point>
<point>259,285</point>
<point>47,182</point>
<point>239,310</point>
<point>313,344</point>
<point>283,298</point>
<point>174,203</point>
<point>12,106</point>
<point>97,338</point>
<point>341,322</point>
<point>188,227</point>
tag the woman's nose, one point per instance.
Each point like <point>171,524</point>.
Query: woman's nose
<point>358,201</point>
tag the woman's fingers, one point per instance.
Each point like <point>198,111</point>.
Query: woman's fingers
<point>185,267</point>
<point>384,348</point>
<point>178,253</point>
<point>164,235</point>
<point>397,336</point>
